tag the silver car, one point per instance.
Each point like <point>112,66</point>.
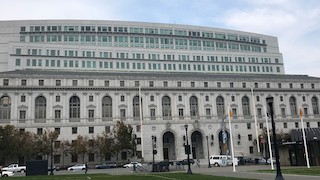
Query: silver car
<point>77,167</point>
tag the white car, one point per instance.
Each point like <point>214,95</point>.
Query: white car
<point>130,165</point>
<point>7,173</point>
<point>77,167</point>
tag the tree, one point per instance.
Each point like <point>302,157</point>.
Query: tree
<point>9,144</point>
<point>65,149</point>
<point>80,146</point>
<point>124,141</point>
<point>104,145</point>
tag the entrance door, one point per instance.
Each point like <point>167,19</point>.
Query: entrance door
<point>166,153</point>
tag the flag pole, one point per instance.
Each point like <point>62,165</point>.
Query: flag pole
<point>141,125</point>
<point>304,139</point>
<point>255,119</point>
<point>269,141</point>
<point>231,139</point>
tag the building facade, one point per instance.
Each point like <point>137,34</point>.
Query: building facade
<point>81,77</point>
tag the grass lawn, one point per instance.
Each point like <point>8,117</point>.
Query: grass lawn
<point>314,171</point>
<point>165,176</point>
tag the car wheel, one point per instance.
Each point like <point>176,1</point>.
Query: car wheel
<point>71,169</point>
<point>22,171</point>
<point>5,175</point>
<point>216,164</point>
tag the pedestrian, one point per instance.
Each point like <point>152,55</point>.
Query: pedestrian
<point>198,163</point>
<point>86,168</point>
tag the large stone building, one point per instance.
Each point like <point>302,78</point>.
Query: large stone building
<point>81,77</point>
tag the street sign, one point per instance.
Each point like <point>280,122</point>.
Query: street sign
<point>187,149</point>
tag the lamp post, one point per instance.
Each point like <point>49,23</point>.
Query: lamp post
<point>51,157</point>
<point>209,165</point>
<point>270,106</point>
<point>153,152</point>
<point>187,149</point>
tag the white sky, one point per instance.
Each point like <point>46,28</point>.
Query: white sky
<point>296,23</point>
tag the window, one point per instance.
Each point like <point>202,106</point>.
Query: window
<point>220,106</point>
<point>301,86</point>
<point>244,85</point>
<point>151,98</point>
<point>57,114</point>
<point>41,82</point>
<point>136,107</point>
<point>106,83</point>
<point>166,107</point>
<point>303,98</point>
<point>106,107</point>
<point>283,112</point>
<point>40,107</point>
<point>91,114</point>
<point>261,125</point>
<point>179,83</point>
<point>5,82</point>
<point>285,125</point>
<point>293,106</point>
<point>192,84</point>
<point>249,137</point>
<point>296,124</point>
<point>259,112</point>
<point>207,98</point>
<point>308,124</point>
<point>194,107</point>
<point>74,82</point>
<point>74,130</point>
<point>245,106</point>
<point>232,98</point>
<point>315,106</point>
<point>181,115</point>
<point>251,149</point>
<point>107,129</point>
<point>23,98</point>
<point>291,85</point>
<point>257,98</point>
<point>281,98</point>
<point>248,125</point>
<point>152,114</point>
<point>122,98</point>
<point>22,114</point>
<point>205,84</point>
<point>165,83</point>
<point>5,107</point>
<point>312,86</point>
<point>256,85</point>
<point>279,85</point>
<point>122,114</point>
<point>121,83</point>
<point>23,82</point>
<point>57,98</point>
<point>268,85</point>
<point>91,83</point>
<point>231,85</point>
<point>208,113</point>
<point>180,98</point>
<point>57,130</point>
<point>39,131</point>
<point>91,130</point>
<point>90,98</point>
<point>151,83</point>
<point>58,82</point>
<point>74,107</point>
<point>219,84</point>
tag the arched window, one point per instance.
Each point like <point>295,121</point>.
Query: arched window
<point>220,106</point>
<point>166,107</point>
<point>40,108</point>
<point>194,107</point>
<point>315,106</point>
<point>245,106</point>
<point>106,107</point>
<point>74,110</point>
<point>5,107</point>
<point>136,107</point>
<point>293,106</point>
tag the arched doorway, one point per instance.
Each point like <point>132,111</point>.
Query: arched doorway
<point>169,151</point>
<point>197,145</point>
<point>224,143</point>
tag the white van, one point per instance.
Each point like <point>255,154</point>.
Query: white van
<point>222,160</point>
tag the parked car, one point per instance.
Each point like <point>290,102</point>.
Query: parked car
<point>55,168</point>
<point>6,173</point>
<point>105,166</point>
<point>130,165</point>
<point>273,161</point>
<point>77,167</point>
<point>185,162</point>
<point>15,168</point>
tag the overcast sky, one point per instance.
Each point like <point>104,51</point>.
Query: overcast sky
<point>296,23</point>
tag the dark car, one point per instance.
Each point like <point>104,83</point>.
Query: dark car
<point>55,168</point>
<point>106,166</point>
<point>185,162</point>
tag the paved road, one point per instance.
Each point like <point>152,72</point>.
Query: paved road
<point>241,172</point>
